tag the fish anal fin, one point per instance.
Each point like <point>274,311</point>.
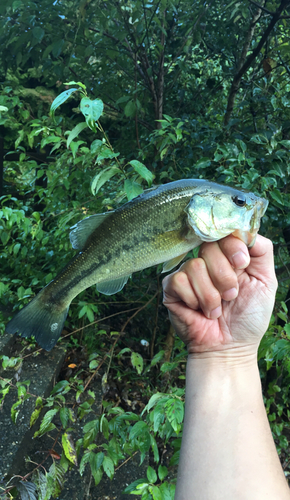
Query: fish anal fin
<point>170,264</point>
<point>112,286</point>
<point>81,231</point>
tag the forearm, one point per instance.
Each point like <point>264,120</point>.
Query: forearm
<point>228,452</point>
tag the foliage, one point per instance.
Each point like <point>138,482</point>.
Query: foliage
<point>117,96</point>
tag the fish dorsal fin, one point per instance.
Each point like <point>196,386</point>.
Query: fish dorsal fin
<point>170,264</point>
<point>112,286</point>
<point>81,231</point>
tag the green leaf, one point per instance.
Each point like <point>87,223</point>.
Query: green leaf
<point>85,459</point>
<point>59,387</point>
<point>151,475</point>
<point>76,83</point>
<point>75,132</point>
<point>96,461</point>
<point>60,99</point>
<point>203,163</point>
<point>75,146</point>
<point>102,177</point>
<point>130,109</point>
<point>175,412</point>
<point>167,491</point>
<point>108,467</point>
<point>64,415</point>
<point>91,110</point>
<point>4,237</point>
<point>34,416</point>
<point>15,411</point>
<point>69,448</point>
<point>16,248</point>
<point>132,189</point>
<point>27,490</point>
<point>93,364</point>
<point>154,448</point>
<point>46,422</point>
<point>157,358</point>
<point>38,33</point>
<point>132,487</point>
<point>137,362</point>
<point>162,472</point>
<point>96,146</point>
<point>156,493</point>
<point>97,476</point>
<point>142,171</point>
<point>276,195</point>
<point>138,429</point>
<point>57,47</point>
<point>105,153</point>
<point>16,4</point>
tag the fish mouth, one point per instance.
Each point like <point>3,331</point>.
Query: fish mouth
<point>249,236</point>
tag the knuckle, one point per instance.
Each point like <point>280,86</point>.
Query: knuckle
<point>227,280</point>
<point>211,297</point>
<point>198,265</point>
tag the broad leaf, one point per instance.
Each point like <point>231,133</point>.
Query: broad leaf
<point>102,177</point>
<point>61,99</point>
<point>69,448</point>
<point>75,132</point>
<point>132,189</point>
<point>91,110</point>
<point>142,171</point>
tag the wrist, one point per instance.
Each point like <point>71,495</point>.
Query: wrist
<point>224,384</point>
<point>225,357</point>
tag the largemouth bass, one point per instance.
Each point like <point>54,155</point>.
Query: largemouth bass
<point>161,225</point>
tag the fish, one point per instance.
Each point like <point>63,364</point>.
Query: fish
<point>159,226</point>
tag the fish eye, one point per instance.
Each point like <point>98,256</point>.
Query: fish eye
<point>239,200</point>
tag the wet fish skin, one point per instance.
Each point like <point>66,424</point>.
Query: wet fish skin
<point>162,224</point>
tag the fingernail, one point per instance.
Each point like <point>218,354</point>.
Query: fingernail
<point>230,294</point>
<point>216,313</point>
<point>240,260</point>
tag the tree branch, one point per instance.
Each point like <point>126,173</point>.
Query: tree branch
<point>262,8</point>
<point>244,64</point>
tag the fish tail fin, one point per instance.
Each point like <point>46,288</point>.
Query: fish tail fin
<point>41,319</point>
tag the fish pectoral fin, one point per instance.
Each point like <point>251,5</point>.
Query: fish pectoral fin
<point>170,264</point>
<point>81,231</point>
<point>112,286</point>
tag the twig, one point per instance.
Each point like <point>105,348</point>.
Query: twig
<point>262,8</point>
<point>129,458</point>
<point>117,338</point>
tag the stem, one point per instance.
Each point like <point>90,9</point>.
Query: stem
<point>111,147</point>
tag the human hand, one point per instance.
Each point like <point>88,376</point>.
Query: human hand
<point>224,298</point>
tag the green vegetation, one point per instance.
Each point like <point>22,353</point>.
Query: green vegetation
<point>119,95</point>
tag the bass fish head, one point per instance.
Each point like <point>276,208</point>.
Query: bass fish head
<point>217,211</point>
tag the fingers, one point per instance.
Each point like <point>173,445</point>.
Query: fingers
<point>236,252</point>
<point>220,258</point>
<point>202,283</point>
<point>192,285</point>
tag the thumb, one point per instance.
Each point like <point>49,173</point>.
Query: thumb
<point>261,264</point>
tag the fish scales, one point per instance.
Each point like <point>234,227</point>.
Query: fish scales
<point>160,225</point>
<point>128,241</point>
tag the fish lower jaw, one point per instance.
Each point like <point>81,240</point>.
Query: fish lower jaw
<point>247,237</point>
